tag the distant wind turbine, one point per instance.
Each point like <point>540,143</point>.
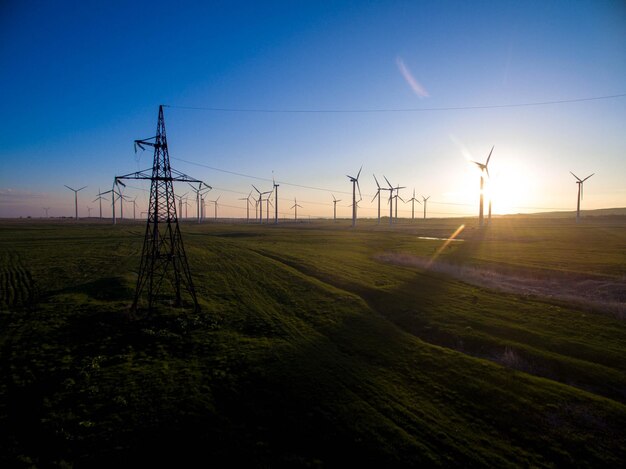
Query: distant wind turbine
<point>46,210</point>
<point>275,199</point>
<point>483,169</point>
<point>335,207</point>
<point>295,207</point>
<point>180,204</point>
<point>268,202</point>
<point>247,199</point>
<point>413,200</point>
<point>355,184</point>
<point>199,193</point>
<point>99,199</point>
<point>390,201</point>
<point>215,202</point>
<point>378,195</point>
<point>580,193</point>
<point>260,202</point>
<point>425,199</point>
<point>75,198</point>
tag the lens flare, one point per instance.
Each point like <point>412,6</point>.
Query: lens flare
<point>448,241</point>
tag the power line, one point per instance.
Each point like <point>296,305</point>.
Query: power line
<point>260,178</point>
<point>381,110</point>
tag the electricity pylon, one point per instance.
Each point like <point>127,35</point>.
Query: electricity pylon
<point>163,252</point>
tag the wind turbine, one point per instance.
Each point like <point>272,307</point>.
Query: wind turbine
<point>413,200</point>
<point>75,198</point>
<point>295,207</point>
<point>275,199</point>
<point>268,202</point>
<point>134,201</point>
<point>483,169</point>
<point>215,202</point>
<point>99,199</point>
<point>46,210</point>
<point>378,195</point>
<point>397,196</point>
<point>335,207</point>
<point>120,196</point>
<point>199,193</point>
<point>88,211</point>
<point>580,193</point>
<point>260,202</point>
<point>180,204</point>
<point>390,200</point>
<point>425,199</point>
<point>113,194</point>
<point>247,199</point>
<point>355,184</point>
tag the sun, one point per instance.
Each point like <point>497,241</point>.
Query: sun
<point>508,187</point>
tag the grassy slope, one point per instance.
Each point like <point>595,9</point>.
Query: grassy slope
<point>308,352</point>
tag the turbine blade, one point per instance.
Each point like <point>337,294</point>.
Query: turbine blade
<point>587,177</point>
<point>359,173</point>
<point>390,186</point>
<point>377,185</point>
<point>358,187</point>
<point>489,157</point>
<point>377,195</point>
<point>575,176</point>
<point>256,189</point>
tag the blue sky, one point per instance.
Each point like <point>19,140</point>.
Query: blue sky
<point>81,80</point>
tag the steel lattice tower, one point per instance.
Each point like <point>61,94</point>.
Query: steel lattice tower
<point>163,254</point>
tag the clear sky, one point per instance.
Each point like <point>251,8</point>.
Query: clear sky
<point>79,81</point>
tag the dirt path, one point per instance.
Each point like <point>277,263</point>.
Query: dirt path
<point>604,294</point>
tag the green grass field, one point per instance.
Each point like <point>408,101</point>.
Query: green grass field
<point>318,345</point>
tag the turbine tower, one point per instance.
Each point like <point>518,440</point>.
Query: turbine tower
<point>425,199</point>
<point>390,201</point>
<point>75,198</point>
<point>355,184</point>
<point>275,199</point>
<point>378,195</point>
<point>180,204</point>
<point>45,209</point>
<point>335,207</point>
<point>295,207</point>
<point>260,202</point>
<point>163,252</point>
<point>247,199</point>
<point>580,193</point>
<point>413,200</point>
<point>215,202</point>
<point>483,169</point>
<point>199,193</point>
<point>99,199</point>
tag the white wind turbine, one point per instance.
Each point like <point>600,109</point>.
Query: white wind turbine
<point>247,199</point>
<point>413,200</point>
<point>425,199</point>
<point>335,207</point>
<point>260,202</point>
<point>295,207</point>
<point>378,195</point>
